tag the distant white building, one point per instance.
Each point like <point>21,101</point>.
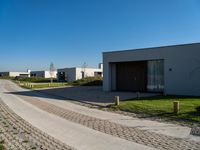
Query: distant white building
<point>14,74</point>
<point>43,74</point>
<point>76,73</point>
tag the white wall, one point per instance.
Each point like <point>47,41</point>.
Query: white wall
<point>184,60</point>
<point>73,74</point>
<point>89,72</point>
<point>44,74</point>
<point>48,75</point>
<point>17,74</point>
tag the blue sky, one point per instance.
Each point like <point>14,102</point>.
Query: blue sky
<point>34,33</point>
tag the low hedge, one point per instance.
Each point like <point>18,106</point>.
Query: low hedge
<point>35,80</point>
<point>89,81</point>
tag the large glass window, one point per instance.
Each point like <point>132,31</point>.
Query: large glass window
<point>155,76</point>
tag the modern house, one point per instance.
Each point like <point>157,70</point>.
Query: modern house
<point>169,69</point>
<point>44,74</point>
<point>76,73</point>
<point>15,74</point>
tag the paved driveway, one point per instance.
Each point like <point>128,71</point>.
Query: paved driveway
<point>84,128</point>
<point>92,94</point>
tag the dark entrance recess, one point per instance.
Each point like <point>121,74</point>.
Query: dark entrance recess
<point>131,76</point>
<point>61,76</point>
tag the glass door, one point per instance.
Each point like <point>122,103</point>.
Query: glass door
<point>155,76</point>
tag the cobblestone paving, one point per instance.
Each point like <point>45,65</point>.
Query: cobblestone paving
<point>139,136</point>
<point>17,134</point>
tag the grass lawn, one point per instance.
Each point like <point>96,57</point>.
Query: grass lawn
<point>162,106</point>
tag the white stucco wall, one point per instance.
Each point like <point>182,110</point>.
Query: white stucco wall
<point>89,72</point>
<point>44,74</point>
<point>48,75</point>
<point>184,60</point>
<point>73,74</point>
<point>17,74</point>
<point>14,74</point>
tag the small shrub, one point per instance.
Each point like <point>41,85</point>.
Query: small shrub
<point>89,81</point>
<point>35,80</point>
<point>2,147</point>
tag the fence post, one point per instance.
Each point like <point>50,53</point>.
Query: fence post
<point>176,107</point>
<point>117,100</point>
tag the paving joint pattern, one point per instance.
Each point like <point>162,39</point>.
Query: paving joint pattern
<point>16,133</point>
<point>139,136</point>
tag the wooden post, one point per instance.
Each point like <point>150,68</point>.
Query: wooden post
<point>117,100</point>
<point>176,107</point>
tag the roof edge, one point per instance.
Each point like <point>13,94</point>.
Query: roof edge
<point>176,45</point>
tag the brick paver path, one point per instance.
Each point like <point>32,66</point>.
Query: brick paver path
<point>143,137</point>
<point>18,134</point>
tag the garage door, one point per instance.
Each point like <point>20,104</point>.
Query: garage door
<point>131,76</point>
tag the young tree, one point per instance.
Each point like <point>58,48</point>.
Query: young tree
<point>84,66</point>
<point>52,70</point>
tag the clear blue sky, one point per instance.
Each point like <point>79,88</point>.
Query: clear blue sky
<point>70,32</point>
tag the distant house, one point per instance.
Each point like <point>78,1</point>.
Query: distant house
<point>15,74</point>
<point>76,73</point>
<point>168,69</point>
<point>43,74</point>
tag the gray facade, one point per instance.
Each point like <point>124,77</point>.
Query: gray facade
<point>4,74</point>
<point>38,74</point>
<point>67,74</point>
<point>181,67</point>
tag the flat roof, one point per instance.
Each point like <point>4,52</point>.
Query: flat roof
<point>43,71</point>
<point>78,68</point>
<point>189,44</point>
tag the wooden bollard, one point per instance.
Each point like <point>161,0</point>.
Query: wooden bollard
<point>117,100</point>
<point>176,107</point>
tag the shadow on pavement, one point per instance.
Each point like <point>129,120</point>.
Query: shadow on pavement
<point>86,94</point>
